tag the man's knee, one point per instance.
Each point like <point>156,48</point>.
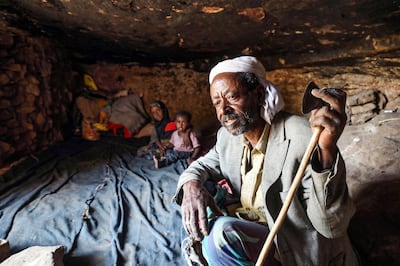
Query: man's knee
<point>224,245</point>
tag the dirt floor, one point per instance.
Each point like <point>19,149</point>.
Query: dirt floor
<point>372,155</point>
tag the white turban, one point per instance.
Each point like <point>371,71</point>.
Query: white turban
<point>273,100</point>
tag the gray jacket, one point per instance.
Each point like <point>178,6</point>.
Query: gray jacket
<point>315,229</point>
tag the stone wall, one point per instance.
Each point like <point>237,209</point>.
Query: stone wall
<point>181,87</point>
<point>380,74</point>
<point>38,85</point>
<point>35,93</point>
<point>177,85</point>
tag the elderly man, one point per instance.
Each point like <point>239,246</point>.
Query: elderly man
<point>258,151</point>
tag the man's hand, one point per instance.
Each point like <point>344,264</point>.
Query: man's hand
<point>194,209</point>
<point>332,119</point>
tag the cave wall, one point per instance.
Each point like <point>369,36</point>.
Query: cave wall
<point>38,84</point>
<point>379,74</point>
<point>182,87</point>
<point>177,85</point>
<point>35,93</point>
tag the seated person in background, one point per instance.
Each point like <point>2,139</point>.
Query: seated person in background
<point>184,143</point>
<point>103,111</point>
<point>89,104</point>
<point>163,129</point>
<point>127,112</point>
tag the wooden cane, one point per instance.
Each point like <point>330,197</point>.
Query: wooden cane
<point>292,191</point>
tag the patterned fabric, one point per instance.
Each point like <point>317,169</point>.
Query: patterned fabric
<point>236,242</point>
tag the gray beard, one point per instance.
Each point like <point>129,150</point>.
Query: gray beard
<point>246,123</point>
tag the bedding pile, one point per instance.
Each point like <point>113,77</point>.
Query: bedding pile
<point>101,202</point>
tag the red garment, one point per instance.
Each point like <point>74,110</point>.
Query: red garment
<point>171,126</point>
<point>114,127</point>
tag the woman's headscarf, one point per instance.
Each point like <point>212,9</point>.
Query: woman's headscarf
<point>273,100</point>
<point>160,125</point>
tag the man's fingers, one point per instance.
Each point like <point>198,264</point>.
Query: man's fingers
<point>326,118</point>
<point>194,229</point>
<point>333,117</point>
<point>194,209</point>
<point>334,97</point>
<point>186,219</point>
<point>190,224</point>
<point>203,222</point>
<point>194,214</point>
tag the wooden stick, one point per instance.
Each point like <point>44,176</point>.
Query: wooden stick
<point>292,191</point>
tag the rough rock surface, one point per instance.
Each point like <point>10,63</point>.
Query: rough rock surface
<point>37,255</point>
<point>371,152</point>
<point>283,33</point>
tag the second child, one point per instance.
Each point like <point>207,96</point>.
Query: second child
<point>184,143</point>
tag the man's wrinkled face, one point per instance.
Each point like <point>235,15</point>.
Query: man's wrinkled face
<point>236,107</point>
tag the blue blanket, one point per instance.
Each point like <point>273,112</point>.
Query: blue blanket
<point>99,200</point>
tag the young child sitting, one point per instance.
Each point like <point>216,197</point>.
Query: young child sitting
<point>184,143</point>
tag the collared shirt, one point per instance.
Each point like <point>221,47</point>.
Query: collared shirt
<point>251,196</point>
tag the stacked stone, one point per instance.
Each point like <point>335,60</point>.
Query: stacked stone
<point>363,106</point>
<point>34,94</point>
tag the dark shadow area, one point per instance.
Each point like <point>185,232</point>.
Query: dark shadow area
<point>374,228</point>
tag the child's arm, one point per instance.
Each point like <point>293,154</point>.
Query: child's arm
<point>195,154</point>
<point>172,140</point>
<point>170,145</point>
<point>197,147</point>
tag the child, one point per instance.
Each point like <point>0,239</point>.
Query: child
<point>184,143</point>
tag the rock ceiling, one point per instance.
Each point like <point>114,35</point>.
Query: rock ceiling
<point>285,33</point>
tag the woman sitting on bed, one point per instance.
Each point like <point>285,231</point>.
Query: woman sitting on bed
<point>163,128</point>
